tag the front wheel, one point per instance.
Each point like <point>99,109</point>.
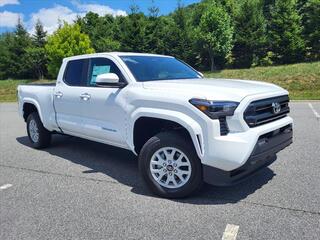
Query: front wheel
<point>38,135</point>
<point>170,166</point>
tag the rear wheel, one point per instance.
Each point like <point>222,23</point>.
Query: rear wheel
<point>170,166</point>
<point>38,135</point>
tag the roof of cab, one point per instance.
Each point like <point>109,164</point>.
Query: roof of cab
<point>118,54</point>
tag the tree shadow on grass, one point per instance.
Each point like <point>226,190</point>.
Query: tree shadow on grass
<point>122,166</point>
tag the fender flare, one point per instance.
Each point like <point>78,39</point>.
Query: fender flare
<point>184,120</point>
<point>33,102</point>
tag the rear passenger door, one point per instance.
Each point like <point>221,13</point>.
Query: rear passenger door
<point>67,97</point>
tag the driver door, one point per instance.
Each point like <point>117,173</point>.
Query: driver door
<point>104,108</point>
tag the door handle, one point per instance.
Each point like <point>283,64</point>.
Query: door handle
<point>58,94</point>
<point>85,96</point>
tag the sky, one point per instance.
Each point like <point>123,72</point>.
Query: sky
<point>49,12</point>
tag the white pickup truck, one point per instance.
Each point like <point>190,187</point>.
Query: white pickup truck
<point>185,129</point>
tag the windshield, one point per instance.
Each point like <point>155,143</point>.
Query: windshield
<point>152,68</point>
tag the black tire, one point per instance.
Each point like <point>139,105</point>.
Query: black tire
<point>44,138</point>
<point>178,141</point>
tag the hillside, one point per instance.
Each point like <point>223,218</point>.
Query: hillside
<point>301,80</point>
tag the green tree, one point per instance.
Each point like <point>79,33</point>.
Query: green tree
<point>311,23</point>
<point>36,56</point>
<point>6,40</point>
<point>300,4</point>
<point>231,6</point>
<point>267,6</point>
<point>64,42</point>
<point>215,32</point>
<point>286,32</point>
<point>250,33</point>
<point>131,31</point>
<point>101,31</point>
<point>179,40</point>
<point>40,35</point>
<point>36,59</point>
<point>17,67</point>
<point>155,32</point>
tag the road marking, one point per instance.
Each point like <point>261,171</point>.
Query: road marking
<point>3,187</point>
<point>314,111</point>
<point>230,233</point>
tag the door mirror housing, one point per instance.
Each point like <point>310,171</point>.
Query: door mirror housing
<point>109,80</point>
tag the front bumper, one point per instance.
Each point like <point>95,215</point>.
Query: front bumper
<point>263,154</point>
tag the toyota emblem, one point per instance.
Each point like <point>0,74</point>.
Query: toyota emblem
<point>276,107</point>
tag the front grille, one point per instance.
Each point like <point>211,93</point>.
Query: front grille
<point>224,129</point>
<point>262,111</point>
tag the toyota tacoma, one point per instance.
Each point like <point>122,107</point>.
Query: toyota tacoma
<point>185,129</point>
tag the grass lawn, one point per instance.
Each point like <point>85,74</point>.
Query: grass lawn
<point>301,80</point>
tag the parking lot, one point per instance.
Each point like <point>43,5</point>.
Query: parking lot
<point>78,189</point>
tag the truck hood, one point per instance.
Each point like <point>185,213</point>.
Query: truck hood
<point>214,89</point>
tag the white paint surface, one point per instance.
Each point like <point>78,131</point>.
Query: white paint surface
<point>230,233</point>
<point>5,186</point>
<point>314,111</point>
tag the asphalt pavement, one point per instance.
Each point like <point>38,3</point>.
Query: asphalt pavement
<point>77,189</point>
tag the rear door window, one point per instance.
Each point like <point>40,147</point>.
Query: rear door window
<point>76,72</point>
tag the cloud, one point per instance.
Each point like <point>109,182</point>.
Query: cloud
<point>50,17</point>
<point>7,2</point>
<point>9,19</point>
<point>101,10</point>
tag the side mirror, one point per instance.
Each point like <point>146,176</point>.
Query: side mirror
<point>109,80</point>
<point>201,74</point>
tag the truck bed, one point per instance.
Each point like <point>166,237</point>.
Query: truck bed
<point>41,95</point>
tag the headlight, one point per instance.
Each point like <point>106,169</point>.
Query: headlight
<point>215,109</point>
